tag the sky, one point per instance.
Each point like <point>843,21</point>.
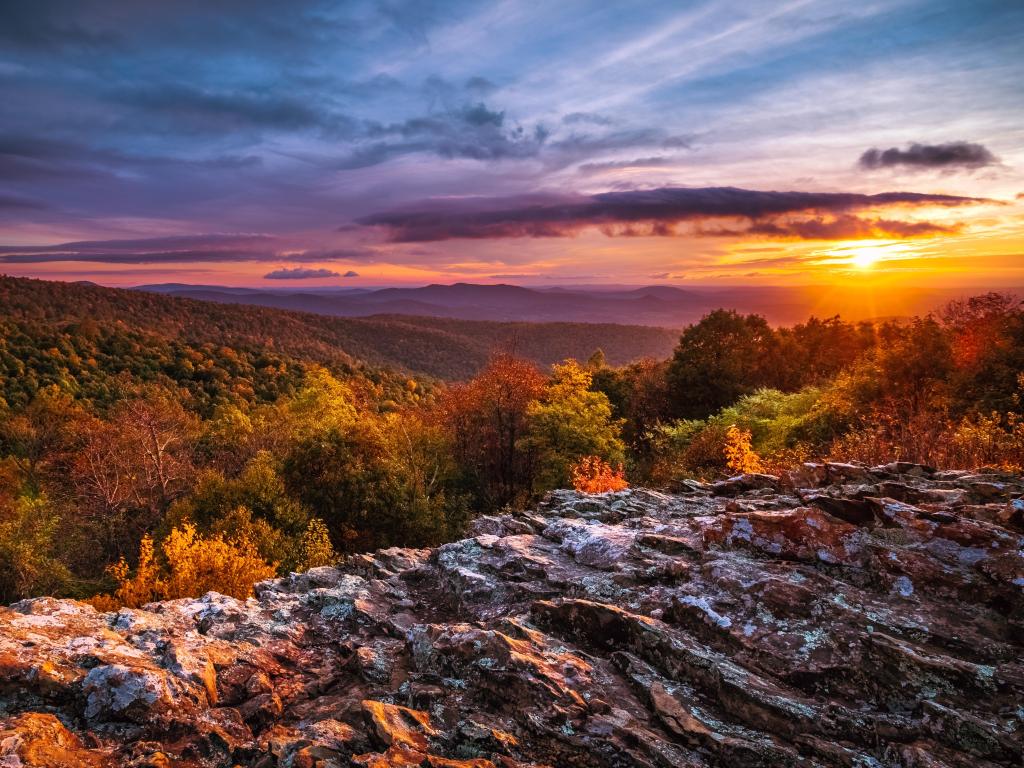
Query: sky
<point>394,142</point>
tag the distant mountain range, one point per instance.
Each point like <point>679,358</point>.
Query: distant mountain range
<point>658,305</point>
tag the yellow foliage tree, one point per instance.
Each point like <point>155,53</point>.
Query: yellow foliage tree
<point>739,456</point>
<point>192,565</point>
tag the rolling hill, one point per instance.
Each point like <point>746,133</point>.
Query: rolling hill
<point>445,348</point>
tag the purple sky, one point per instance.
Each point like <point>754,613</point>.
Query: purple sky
<point>389,142</point>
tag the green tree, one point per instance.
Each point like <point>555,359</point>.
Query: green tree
<point>723,357</point>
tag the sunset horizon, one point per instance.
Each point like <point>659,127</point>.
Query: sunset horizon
<point>368,144</point>
<point>511,384</point>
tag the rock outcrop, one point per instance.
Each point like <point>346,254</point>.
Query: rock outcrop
<point>837,616</point>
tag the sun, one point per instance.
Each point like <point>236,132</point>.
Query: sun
<point>864,258</point>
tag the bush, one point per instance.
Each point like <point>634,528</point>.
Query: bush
<point>316,546</point>
<point>190,565</point>
<point>739,456</point>
<point>592,474</point>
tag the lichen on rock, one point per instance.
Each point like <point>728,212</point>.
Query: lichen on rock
<point>840,615</point>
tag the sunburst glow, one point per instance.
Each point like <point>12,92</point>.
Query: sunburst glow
<point>864,258</point>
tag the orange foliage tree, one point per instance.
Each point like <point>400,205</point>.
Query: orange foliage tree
<point>487,419</point>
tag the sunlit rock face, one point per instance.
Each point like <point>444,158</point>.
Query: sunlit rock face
<point>837,616</point>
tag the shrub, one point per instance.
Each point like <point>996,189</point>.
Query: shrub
<point>739,456</point>
<point>316,546</point>
<point>592,474</point>
<point>191,565</point>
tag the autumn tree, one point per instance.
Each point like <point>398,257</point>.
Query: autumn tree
<point>487,419</point>
<point>567,422</point>
<point>41,437</point>
<point>914,368</point>
<point>131,467</point>
<point>987,341</point>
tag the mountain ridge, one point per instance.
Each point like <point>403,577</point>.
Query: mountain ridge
<point>660,306</point>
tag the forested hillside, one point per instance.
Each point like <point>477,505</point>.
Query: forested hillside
<point>45,312</point>
<point>153,447</point>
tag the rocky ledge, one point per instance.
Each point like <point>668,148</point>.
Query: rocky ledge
<point>837,616</point>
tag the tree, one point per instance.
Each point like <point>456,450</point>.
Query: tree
<point>41,438</point>
<point>157,435</point>
<point>570,421</point>
<point>131,468</point>
<point>988,351</point>
<point>724,356</point>
<point>29,561</point>
<point>915,368</point>
<point>486,419</point>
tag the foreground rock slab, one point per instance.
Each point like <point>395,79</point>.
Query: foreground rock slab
<point>838,616</point>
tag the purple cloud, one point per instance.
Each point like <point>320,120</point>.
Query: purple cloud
<point>654,212</point>
<point>301,273</point>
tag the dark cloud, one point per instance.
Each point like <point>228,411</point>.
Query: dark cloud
<point>471,131</point>
<point>351,273</point>
<point>480,85</point>
<point>302,273</point>
<point>955,154</point>
<point>197,110</point>
<point>654,212</point>
<point>26,158</point>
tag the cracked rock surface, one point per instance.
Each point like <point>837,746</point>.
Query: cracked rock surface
<point>840,615</point>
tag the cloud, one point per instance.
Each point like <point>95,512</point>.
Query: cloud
<point>155,250</point>
<point>653,212</point>
<point>955,154</point>
<point>614,165</point>
<point>26,158</point>
<point>13,202</point>
<point>471,131</point>
<point>351,273</point>
<point>574,118</point>
<point>302,273</point>
<point>848,227</point>
<point>215,247</point>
